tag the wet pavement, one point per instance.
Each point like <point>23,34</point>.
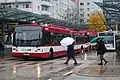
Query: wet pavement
<point>96,72</point>
<point>87,68</point>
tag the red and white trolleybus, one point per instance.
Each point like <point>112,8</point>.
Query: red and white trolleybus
<point>34,41</point>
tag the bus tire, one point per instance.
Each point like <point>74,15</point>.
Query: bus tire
<point>51,53</point>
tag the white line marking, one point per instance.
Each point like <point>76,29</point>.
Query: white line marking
<point>70,72</point>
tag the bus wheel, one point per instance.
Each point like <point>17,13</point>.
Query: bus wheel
<point>25,59</point>
<point>51,53</point>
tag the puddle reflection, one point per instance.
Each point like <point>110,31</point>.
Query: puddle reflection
<point>14,71</point>
<point>102,70</point>
<point>38,71</point>
<point>85,56</point>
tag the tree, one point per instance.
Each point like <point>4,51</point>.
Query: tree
<point>70,15</point>
<point>97,22</point>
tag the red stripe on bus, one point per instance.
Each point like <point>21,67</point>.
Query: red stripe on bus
<point>41,55</point>
<point>31,55</point>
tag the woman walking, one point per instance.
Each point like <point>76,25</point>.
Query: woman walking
<point>101,49</point>
<point>70,54</point>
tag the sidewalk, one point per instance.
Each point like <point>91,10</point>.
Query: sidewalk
<point>92,71</point>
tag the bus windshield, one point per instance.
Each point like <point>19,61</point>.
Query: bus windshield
<point>106,34</point>
<point>108,38</point>
<point>27,37</point>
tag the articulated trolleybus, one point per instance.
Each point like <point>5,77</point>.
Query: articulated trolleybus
<point>109,39</point>
<point>33,41</point>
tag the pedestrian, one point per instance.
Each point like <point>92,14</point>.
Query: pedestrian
<point>101,49</point>
<point>97,49</point>
<point>70,54</point>
<point>1,48</point>
<point>82,49</point>
<point>51,53</point>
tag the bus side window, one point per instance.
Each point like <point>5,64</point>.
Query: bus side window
<point>46,38</point>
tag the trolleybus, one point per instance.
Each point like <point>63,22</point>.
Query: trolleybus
<point>33,41</point>
<point>109,39</point>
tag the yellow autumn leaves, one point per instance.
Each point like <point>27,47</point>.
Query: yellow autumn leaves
<point>97,22</point>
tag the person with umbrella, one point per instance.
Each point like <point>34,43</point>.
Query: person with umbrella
<point>69,43</point>
<point>70,54</point>
<point>1,48</point>
<point>101,49</point>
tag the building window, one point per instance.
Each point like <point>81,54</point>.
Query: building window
<point>81,4</point>
<point>88,20</point>
<point>17,6</point>
<point>56,4</point>
<point>81,20</point>
<point>88,9</point>
<point>88,14</point>
<point>46,0</point>
<point>27,6</point>
<point>81,9</point>
<point>82,15</point>
<point>9,6</point>
<point>44,8</point>
<point>38,7</point>
<point>88,3</point>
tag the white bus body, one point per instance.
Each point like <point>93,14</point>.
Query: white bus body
<point>109,39</point>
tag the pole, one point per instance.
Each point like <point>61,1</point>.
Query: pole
<point>3,33</point>
<point>77,19</point>
<point>3,37</point>
<point>116,26</point>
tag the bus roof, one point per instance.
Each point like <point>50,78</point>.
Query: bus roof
<point>57,29</point>
<point>28,25</point>
<point>24,28</point>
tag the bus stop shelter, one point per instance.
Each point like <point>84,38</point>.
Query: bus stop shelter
<point>112,13</point>
<point>13,15</point>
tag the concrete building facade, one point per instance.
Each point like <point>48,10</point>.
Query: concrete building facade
<point>54,8</point>
<point>87,7</point>
<point>76,11</point>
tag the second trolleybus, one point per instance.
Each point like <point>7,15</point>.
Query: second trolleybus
<point>109,39</point>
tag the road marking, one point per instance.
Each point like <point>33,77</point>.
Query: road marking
<point>68,73</point>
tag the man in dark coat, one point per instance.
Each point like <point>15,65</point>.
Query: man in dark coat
<point>70,54</point>
<point>1,48</point>
<point>101,49</point>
